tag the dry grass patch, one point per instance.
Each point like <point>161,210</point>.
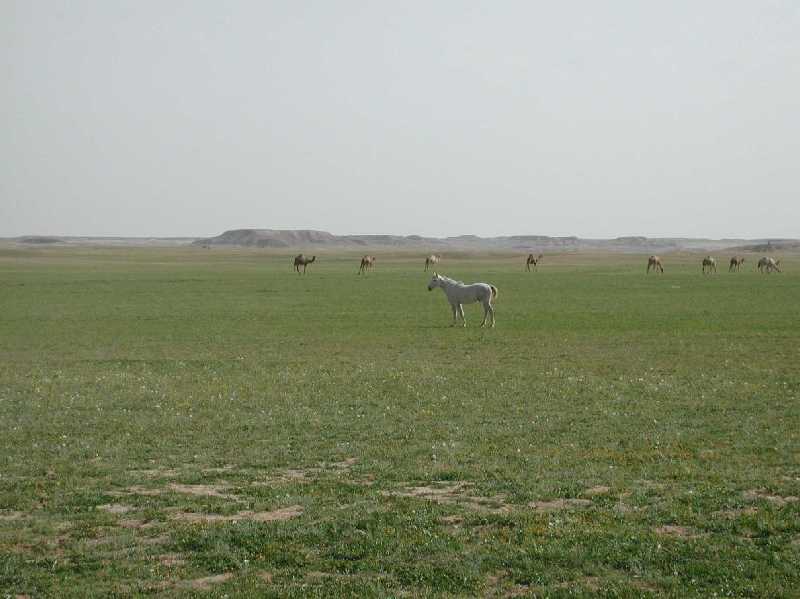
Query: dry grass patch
<point>597,490</point>
<point>454,494</point>
<point>135,490</point>
<point>115,508</point>
<point>7,516</point>
<point>736,513</point>
<point>560,504</point>
<point>218,469</point>
<point>204,584</point>
<point>202,490</point>
<point>777,500</point>
<point>273,516</point>
<point>158,540</point>
<point>136,524</point>
<point>171,559</point>
<point>306,475</point>
<point>678,532</point>
<point>155,473</point>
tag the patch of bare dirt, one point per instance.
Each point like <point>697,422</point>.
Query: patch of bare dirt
<point>202,490</point>
<point>204,584</point>
<point>159,540</point>
<point>8,515</point>
<point>135,524</point>
<point>591,583</point>
<point>643,585</point>
<point>735,513</point>
<point>115,508</point>
<point>651,484</point>
<point>452,520</point>
<point>171,559</point>
<point>345,464</point>
<point>454,494</point>
<point>597,490</point>
<point>218,469</point>
<point>777,500</point>
<point>273,516</point>
<point>135,490</point>
<point>265,577</point>
<point>560,504</point>
<point>156,473</point>
<point>680,532</point>
<point>520,590</point>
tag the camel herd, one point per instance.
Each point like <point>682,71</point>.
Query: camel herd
<point>766,265</point>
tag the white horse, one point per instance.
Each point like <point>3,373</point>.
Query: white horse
<point>458,293</point>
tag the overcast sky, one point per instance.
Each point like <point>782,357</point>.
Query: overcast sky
<point>595,118</point>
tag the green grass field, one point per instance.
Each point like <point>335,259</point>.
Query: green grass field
<point>207,422</point>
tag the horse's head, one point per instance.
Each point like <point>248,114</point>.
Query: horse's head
<point>435,282</point>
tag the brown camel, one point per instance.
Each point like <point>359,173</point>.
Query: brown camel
<point>367,262</point>
<point>654,262</point>
<point>301,260</point>
<point>709,265</point>
<point>736,263</point>
<point>431,260</point>
<point>532,260</point>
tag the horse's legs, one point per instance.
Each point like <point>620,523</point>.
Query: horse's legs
<point>455,312</point>
<point>487,311</point>
<point>461,313</point>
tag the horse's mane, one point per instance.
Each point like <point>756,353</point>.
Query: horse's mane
<point>448,279</point>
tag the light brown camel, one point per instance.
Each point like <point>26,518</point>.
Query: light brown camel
<point>768,265</point>
<point>709,265</point>
<point>654,262</point>
<point>431,260</point>
<point>301,260</point>
<point>532,260</point>
<point>736,263</point>
<point>367,262</point>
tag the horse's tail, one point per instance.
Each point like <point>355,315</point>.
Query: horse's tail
<point>494,291</point>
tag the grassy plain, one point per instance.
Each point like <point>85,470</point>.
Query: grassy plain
<point>206,422</point>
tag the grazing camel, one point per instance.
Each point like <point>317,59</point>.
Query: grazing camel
<point>736,263</point>
<point>367,262</point>
<point>301,260</point>
<point>431,260</point>
<point>709,265</point>
<point>532,260</point>
<point>768,265</point>
<point>654,262</point>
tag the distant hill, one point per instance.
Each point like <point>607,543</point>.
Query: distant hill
<point>308,239</point>
<point>276,238</point>
<point>39,239</point>
<point>772,245</point>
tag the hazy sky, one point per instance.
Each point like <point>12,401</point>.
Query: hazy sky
<point>595,118</point>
